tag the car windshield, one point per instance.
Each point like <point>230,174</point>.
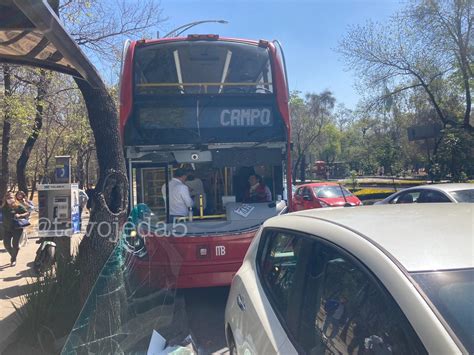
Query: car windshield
<point>452,292</point>
<point>330,191</point>
<point>463,195</point>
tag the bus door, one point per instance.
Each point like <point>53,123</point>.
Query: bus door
<point>146,183</point>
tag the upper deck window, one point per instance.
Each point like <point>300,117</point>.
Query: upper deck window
<point>202,67</point>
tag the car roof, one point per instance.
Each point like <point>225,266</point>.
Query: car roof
<point>444,187</point>
<point>420,237</point>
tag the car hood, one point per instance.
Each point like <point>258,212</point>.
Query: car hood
<point>339,201</point>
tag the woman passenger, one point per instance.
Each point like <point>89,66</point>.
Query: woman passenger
<point>258,191</point>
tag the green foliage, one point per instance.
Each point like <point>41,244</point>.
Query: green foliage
<point>415,70</point>
<point>309,117</point>
<point>330,143</point>
<point>423,50</point>
<point>353,180</point>
<point>454,158</point>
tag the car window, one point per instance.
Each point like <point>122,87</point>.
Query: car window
<point>279,265</point>
<point>306,191</point>
<point>345,311</point>
<point>282,266</point>
<point>299,191</point>
<point>463,195</point>
<point>430,196</point>
<point>406,197</point>
<point>451,292</point>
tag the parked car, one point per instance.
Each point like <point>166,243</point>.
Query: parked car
<point>433,193</point>
<point>323,194</point>
<point>370,280</point>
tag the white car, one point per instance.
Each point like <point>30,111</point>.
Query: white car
<point>435,193</point>
<point>370,280</point>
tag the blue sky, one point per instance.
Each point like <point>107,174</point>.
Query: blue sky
<point>308,29</point>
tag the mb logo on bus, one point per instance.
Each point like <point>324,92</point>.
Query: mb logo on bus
<point>246,117</point>
<point>220,250</point>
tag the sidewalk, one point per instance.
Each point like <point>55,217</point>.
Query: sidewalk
<point>13,280</point>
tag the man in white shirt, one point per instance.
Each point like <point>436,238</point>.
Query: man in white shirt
<point>179,198</point>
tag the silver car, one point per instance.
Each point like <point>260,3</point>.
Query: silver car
<point>371,280</point>
<point>435,193</point>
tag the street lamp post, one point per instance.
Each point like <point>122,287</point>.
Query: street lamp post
<point>187,26</point>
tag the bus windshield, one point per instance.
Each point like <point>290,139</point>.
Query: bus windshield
<point>202,67</point>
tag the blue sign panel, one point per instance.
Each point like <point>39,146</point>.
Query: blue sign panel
<point>62,172</point>
<point>75,217</point>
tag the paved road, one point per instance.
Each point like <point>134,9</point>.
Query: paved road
<point>205,312</point>
<point>12,285</point>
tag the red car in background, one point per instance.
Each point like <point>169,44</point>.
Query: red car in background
<point>323,194</point>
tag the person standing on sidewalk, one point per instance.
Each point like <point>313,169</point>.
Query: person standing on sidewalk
<point>12,210</point>
<point>83,199</point>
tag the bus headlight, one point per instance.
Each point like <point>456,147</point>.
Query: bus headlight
<point>135,244</point>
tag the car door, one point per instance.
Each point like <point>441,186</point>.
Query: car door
<point>281,266</point>
<point>298,199</point>
<point>308,198</point>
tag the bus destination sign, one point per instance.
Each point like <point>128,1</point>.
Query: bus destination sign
<point>209,117</point>
<point>247,117</point>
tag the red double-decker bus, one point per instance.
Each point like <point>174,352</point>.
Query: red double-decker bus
<point>217,107</point>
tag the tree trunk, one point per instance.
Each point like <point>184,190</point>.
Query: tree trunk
<point>87,172</point>
<point>30,142</point>
<point>80,168</point>
<point>109,209</point>
<point>303,168</point>
<point>295,167</point>
<point>6,134</point>
<point>33,184</point>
